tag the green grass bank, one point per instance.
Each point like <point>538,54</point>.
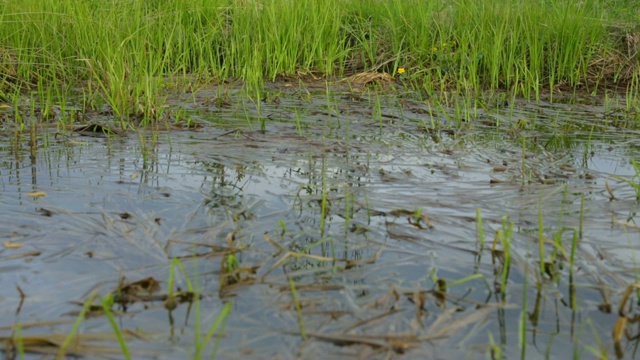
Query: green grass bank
<point>127,53</point>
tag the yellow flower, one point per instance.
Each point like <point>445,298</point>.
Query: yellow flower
<point>400,71</point>
<point>435,49</point>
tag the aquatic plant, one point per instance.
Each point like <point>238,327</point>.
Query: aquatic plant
<point>298,306</point>
<point>634,182</point>
<point>76,325</point>
<point>107,303</point>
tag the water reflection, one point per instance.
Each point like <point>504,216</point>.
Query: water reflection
<point>377,231</point>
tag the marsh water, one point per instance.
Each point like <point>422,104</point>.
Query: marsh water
<point>338,225</point>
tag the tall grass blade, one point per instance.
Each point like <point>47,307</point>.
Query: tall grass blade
<point>107,302</point>
<point>67,341</point>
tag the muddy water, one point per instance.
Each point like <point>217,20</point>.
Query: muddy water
<point>394,268</point>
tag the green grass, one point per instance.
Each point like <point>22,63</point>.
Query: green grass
<point>127,54</point>
<point>479,231</point>
<point>541,237</point>
<point>74,330</point>
<point>107,303</point>
<point>504,237</point>
<point>296,301</point>
<point>219,323</point>
<point>634,181</point>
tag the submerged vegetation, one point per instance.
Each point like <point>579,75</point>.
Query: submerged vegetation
<point>345,234</point>
<point>129,54</point>
<point>360,178</point>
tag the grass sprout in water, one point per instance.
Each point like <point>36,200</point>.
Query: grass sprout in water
<point>248,179</point>
<point>634,182</point>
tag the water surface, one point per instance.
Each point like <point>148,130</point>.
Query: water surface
<point>366,203</point>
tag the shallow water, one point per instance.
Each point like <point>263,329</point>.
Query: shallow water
<point>123,206</point>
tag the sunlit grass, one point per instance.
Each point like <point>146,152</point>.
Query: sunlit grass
<point>126,54</point>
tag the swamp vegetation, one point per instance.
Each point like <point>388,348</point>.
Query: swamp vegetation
<point>303,178</point>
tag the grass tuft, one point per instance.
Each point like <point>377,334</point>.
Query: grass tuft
<point>126,54</point>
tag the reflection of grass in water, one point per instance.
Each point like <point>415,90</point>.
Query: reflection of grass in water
<point>503,243</point>
<point>522,326</point>
<point>324,203</point>
<point>541,237</point>
<point>557,236</point>
<point>479,231</point>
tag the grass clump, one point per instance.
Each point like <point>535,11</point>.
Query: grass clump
<point>126,54</point>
